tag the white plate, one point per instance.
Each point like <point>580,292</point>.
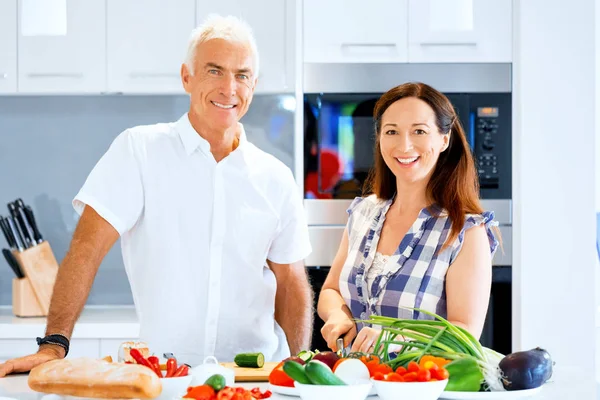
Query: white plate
<point>506,395</point>
<point>285,390</point>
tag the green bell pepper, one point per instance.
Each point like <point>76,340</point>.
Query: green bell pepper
<point>465,375</point>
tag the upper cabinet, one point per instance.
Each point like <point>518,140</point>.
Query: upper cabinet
<point>460,31</point>
<point>147,43</point>
<point>272,29</point>
<point>355,31</point>
<point>8,46</point>
<point>71,63</point>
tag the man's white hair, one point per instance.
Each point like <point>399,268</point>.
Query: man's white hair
<point>230,28</point>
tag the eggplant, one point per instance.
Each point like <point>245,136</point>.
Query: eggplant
<point>526,369</point>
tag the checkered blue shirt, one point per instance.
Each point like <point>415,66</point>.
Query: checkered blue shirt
<point>415,275</point>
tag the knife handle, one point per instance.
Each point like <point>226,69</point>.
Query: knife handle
<point>27,226</point>
<point>31,218</point>
<point>20,224</point>
<point>16,233</point>
<point>6,231</point>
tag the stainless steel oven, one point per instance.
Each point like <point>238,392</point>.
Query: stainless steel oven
<point>338,154</point>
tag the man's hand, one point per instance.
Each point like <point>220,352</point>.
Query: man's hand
<point>25,364</point>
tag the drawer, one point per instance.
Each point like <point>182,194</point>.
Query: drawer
<point>13,348</point>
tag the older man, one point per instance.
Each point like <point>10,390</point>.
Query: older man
<point>213,230</point>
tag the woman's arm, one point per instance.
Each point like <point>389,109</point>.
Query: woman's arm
<point>331,306</point>
<point>468,282</point>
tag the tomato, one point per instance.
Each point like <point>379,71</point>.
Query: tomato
<point>278,377</point>
<point>394,377</point>
<point>413,367</point>
<point>440,374</point>
<point>423,375</point>
<point>203,392</point>
<point>379,376</point>
<point>410,377</point>
<point>401,370</point>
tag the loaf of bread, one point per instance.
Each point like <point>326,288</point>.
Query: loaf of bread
<point>86,377</point>
<point>124,351</point>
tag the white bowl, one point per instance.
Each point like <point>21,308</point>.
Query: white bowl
<point>211,367</point>
<point>174,388</point>
<point>409,390</point>
<point>331,392</point>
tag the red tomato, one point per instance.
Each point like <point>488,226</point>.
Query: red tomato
<point>410,377</point>
<point>401,370</point>
<point>423,375</point>
<point>440,374</point>
<point>413,367</point>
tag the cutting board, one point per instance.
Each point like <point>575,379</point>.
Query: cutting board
<point>252,374</point>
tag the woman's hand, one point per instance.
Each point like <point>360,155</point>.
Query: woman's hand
<point>366,339</point>
<point>338,325</point>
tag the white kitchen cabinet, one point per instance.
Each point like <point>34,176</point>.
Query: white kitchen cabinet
<point>460,31</point>
<point>71,63</point>
<point>13,348</point>
<point>147,43</point>
<point>271,27</point>
<point>8,46</point>
<point>355,31</point>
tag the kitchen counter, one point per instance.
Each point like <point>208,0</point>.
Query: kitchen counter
<point>566,384</point>
<point>95,322</point>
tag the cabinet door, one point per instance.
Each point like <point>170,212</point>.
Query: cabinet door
<point>355,31</point>
<point>267,18</point>
<point>147,43</point>
<point>8,46</point>
<point>71,63</point>
<point>460,31</point>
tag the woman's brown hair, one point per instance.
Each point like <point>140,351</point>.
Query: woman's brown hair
<point>454,184</point>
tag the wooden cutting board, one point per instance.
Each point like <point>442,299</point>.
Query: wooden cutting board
<point>252,374</point>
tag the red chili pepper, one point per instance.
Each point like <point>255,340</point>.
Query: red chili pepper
<point>155,365</point>
<point>171,367</point>
<point>139,358</point>
<point>181,371</point>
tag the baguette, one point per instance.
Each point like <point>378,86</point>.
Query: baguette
<point>86,377</point>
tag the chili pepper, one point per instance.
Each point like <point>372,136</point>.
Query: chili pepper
<point>181,371</point>
<point>171,367</point>
<point>139,358</point>
<point>153,360</point>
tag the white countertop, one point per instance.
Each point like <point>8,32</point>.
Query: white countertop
<point>566,385</point>
<point>95,322</point>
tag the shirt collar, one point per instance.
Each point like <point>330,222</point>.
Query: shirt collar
<point>192,140</point>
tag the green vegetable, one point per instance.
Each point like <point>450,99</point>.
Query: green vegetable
<point>295,370</point>
<point>306,355</point>
<point>250,360</point>
<point>217,382</point>
<point>465,375</point>
<point>320,374</point>
<point>436,337</point>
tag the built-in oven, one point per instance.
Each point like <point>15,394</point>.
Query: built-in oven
<point>338,155</point>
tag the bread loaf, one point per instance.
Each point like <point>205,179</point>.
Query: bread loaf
<point>124,351</point>
<point>86,377</point>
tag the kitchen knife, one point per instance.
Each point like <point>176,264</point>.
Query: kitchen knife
<point>16,233</point>
<point>21,221</point>
<point>6,231</point>
<point>31,218</point>
<point>13,263</point>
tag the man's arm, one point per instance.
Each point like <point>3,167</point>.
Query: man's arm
<point>293,304</point>
<point>92,240</point>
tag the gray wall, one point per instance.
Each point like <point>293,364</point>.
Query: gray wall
<point>48,146</point>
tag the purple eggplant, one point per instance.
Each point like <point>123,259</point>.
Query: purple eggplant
<point>526,369</point>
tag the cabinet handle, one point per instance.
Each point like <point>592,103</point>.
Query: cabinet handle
<point>448,43</point>
<point>3,75</point>
<point>368,44</point>
<point>55,75</point>
<point>136,75</point>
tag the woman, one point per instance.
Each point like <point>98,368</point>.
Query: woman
<point>421,238</point>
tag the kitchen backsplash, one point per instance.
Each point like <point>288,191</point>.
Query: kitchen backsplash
<point>48,146</point>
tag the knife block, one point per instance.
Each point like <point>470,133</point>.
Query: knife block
<point>33,293</point>
<point>24,301</point>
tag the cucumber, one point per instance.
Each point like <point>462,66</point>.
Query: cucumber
<point>295,370</point>
<point>306,355</point>
<point>319,373</point>
<point>217,382</point>
<point>250,360</point>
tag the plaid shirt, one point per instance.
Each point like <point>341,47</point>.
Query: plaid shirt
<point>415,275</point>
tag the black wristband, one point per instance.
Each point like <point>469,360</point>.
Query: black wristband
<point>58,340</point>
